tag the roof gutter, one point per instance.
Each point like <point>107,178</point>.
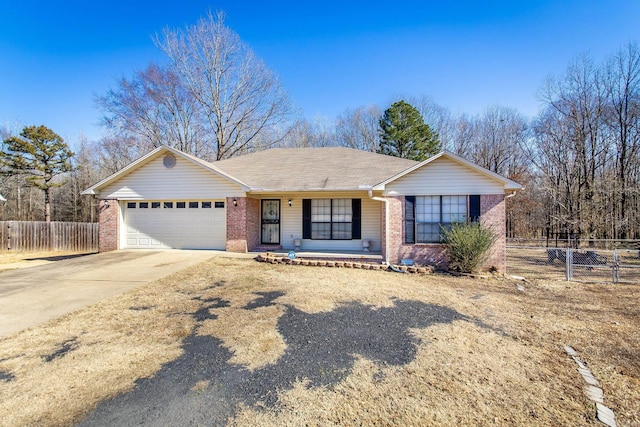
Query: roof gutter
<point>308,190</point>
<point>386,223</point>
<point>510,195</point>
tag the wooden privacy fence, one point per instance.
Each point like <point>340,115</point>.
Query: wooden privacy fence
<point>53,236</point>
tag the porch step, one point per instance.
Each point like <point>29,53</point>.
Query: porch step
<point>267,248</point>
<point>371,257</point>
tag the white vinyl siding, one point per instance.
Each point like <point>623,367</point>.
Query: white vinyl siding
<point>291,221</point>
<point>443,176</point>
<point>185,180</point>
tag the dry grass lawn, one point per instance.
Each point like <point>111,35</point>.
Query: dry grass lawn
<point>503,365</point>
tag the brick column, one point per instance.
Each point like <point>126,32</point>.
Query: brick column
<point>253,223</point>
<point>395,240</point>
<point>236,224</point>
<point>109,228</point>
<point>493,215</point>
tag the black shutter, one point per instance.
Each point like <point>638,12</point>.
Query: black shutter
<point>356,209</point>
<point>410,219</point>
<point>474,208</point>
<point>306,218</point>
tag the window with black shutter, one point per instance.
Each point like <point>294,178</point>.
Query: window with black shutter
<point>331,219</point>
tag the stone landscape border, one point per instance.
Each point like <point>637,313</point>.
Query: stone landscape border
<point>341,263</point>
<point>593,390</point>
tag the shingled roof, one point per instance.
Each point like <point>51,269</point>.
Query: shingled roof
<point>300,169</point>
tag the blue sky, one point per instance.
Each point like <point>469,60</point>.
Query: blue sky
<point>55,56</point>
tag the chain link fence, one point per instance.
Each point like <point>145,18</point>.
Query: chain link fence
<point>601,261</point>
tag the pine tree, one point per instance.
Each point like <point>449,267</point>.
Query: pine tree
<point>40,153</point>
<point>403,133</point>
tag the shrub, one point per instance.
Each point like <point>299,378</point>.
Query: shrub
<point>468,245</point>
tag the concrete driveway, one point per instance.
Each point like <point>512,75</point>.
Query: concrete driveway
<point>34,295</point>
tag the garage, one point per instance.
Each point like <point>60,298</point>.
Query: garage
<point>175,224</point>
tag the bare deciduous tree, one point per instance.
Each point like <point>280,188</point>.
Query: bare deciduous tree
<point>438,117</point>
<point>155,107</point>
<point>500,134</point>
<point>573,120</point>
<point>622,90</point>
<point>320,132</point>
<point>115,152</point>
<point>238,96</point>
<point>359,128</point>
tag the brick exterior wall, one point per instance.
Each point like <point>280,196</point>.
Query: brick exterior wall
<point>242,224</point>
<point>237,224</point>
<point>492,211</point>
<point>493,215</point>
<point>109,228</point>
<point>253,224</point>
<point>428,254</point>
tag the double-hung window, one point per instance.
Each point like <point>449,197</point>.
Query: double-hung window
<point>331,219</point>
<point>426,216</point>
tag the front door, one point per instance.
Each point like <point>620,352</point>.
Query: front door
<point>270,222</point>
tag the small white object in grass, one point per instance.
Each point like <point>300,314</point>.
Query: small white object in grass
<point>570,351</point>
<point>594,393</point>
<point>588,377</point>
<point>606,415</point>
<point>521,288</point>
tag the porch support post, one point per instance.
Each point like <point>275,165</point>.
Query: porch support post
<point>236,224</point>
<point>385,240</point>
<point>243,234</point>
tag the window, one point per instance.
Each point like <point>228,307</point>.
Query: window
<point>425,216</point>
<point>181,205</point>
<point>193,205</point>
<point>206,205</point>
<point>155,205</point>
<point>168,205</point>
<point>144,205</point>
<point>321,219</point>
<point>331,219</point>
<point>218,205</point>
<point>131,205</point>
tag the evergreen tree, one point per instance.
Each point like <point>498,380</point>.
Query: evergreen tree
<point>42,155</point>
<point>403,133</point>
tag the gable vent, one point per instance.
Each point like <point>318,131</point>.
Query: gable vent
<point>169,161</point>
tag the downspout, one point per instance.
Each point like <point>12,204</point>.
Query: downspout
<point>386,224</point>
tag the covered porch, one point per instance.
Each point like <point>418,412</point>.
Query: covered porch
<point>316,224</point>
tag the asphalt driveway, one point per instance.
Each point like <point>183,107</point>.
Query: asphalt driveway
<point>34,295</point>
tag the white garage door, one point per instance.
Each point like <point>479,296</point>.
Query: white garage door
<point>176,224</point>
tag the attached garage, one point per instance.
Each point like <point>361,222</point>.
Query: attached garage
<point>175,224</point>
<point>166,200</point>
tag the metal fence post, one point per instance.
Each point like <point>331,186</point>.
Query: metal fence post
<point>569,266</point>
<point>615,267</point>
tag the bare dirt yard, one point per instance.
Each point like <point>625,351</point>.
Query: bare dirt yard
<point>237,342</point>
